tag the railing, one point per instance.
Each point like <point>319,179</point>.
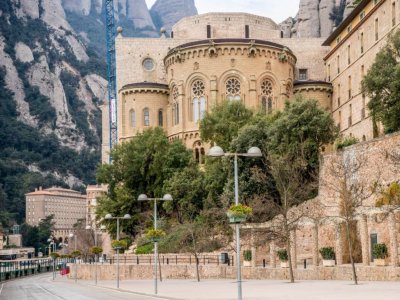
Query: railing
<point>170,260</point>
<point>11,269</point>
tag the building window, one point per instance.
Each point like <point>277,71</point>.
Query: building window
<point>199,153</point>
<point>160,118</point>
<point>303,74</point>
<point>267,95</point>
<point>348,55</point>
<point>376,29</point>
<point>393,14</point>
<point>247,31</point>
<point>362,42</point>
<point>350,115</point>
<point>233,89</point>
<point>329,72</point>
<point>175,105</point>
<point>349,84</point>
<point>338,99</point>
<point>340,120</point>
<point>338,64</point>
<point>209,31</point>
<point>363,107</point>
<point>198,100</point>
<point>146,117</point>
<point>133,118</point>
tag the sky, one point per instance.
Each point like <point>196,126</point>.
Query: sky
<point>277,10</point>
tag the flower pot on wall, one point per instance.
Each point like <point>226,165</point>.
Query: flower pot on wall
<point>380,262</point>
<point>328,262</point>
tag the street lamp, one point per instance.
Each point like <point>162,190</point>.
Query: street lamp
<point>71,235</point>
<point>51,243</point>
<point>166,197</point>
<point>88,227</point>
<point>110,217</point>
<point>217,151</point>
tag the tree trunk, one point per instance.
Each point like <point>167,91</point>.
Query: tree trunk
<point>353,267</point>
<point>197,267</point>
<point>288,249</point>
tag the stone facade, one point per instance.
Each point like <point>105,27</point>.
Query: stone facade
<point>67,206</point>
<point>354,45</point>
<point>171,82</point>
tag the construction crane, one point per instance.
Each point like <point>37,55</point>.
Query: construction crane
<point>112,82</point>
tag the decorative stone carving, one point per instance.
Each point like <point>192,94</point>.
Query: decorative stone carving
<point>196,66</point>
<point>268,66</point>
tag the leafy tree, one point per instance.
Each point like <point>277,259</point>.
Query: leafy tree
<point>141,165</point>
<point>382,85</point>
<point>222,124</point>
<point>37,236</point>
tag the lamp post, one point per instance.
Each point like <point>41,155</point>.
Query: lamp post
<point>88,227</point>
<point>71,235</point>
<point>217,151</point>
<point>110,217</point>
<point>51,243</point>
<point>166,197</point>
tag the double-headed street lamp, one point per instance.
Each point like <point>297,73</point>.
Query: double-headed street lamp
<point>167,197</point>
<point>217,151</point>
<point>110,217</point>
<point>96,257</point>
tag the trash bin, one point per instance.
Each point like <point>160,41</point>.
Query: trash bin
<point>224,258</point>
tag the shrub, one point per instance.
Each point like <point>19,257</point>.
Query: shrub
<point>96,250</point>
<point>153,234</point>
<point>76,253</point>
<point>345,142</point>
<point>327,253</point>
<point>239,210</point>
<point>283,255</point>
<point>380,251</point>
<point>54,255</point>
<point>247,255</point>
<point>121,244</point>
<point>145,249</point>
<point>389,196</point>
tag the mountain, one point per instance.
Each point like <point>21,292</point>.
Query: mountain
<point>317,18</point>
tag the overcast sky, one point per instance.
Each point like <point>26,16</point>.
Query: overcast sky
<point>277,10</point>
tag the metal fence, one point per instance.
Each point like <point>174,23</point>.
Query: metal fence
<point>11,269</point>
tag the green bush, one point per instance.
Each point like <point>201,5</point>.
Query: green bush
<point>54,255</point>
<point>345,142</point>
<point>327,253</point>
<point>283,255</point>
<point>76,253</point>
<point>240,210</point>
<point>247,255</point>
<point>96,250</point>
<point>121,244</point>
<point>145,249</point>
<point>380,251</point>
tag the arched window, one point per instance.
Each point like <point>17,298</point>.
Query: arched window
<point>160,118</point>
<point>146,117</point>
<point>267,95</point>
<point>199,152</point>
<point>233,89</point>
<point>198,100</point>
<point>133,118</point>
<point>175,105</point>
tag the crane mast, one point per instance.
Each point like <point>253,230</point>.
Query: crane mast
<point>111,62</point>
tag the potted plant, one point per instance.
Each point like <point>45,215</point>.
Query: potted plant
<point>238,213</point>
<point>247,258</point>
<point>155,235</point>
<point>120,245</point>
<point>328,256</point>
<point>380,252</point>
<point>54,255</point>
<point>283,257</point>
<point>76,253</point>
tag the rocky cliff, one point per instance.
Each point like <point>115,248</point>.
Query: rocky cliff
<point>317,18</point>
<point>167,12</point>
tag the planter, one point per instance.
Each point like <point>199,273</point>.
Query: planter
<point>379,262</point>
<point>155,239</point>
<point>328,262</point>
<point>236,219</point>
<point>246,263</point>
<point>284,264</point>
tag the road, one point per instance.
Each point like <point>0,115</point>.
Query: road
<point>42,287</point>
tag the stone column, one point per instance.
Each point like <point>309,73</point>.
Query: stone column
<point>394,251</point>
<point>293,248</point>
<point>213,93</point>
<point>339,246</point>
<point>253,249</point>
<point>315,246</point>
<point>364,240</point>
<point>272,254</point>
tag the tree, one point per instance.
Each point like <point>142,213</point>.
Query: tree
<point>37,236</point>
<point>141,165</point>
<point>382,85</point>
<point>221,125</point>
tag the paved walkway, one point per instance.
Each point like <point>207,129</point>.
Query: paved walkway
<point>262,290</point>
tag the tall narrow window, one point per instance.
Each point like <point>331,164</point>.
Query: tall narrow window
<point>133,118</point>
<point>198,100</point>
<point>175,105</point>
<point>363,107</point>
<point>160,118</point>
<point>329,72</point>
<point>209,31</point>
<point>362,42</point>
<point>146,117</point>
<point>338,99</point>
<point>340,120</point>
<point>376,29</point>
<point>350,115</point>
<point>349,84</point>
<point>348,55</point>
<point>233,89</point>
<point>338,64</point>
<point>267,95</point>
<point>362,72</point>
<point>303,74</point>
<point>393,14</point>
<point>247,31</point>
